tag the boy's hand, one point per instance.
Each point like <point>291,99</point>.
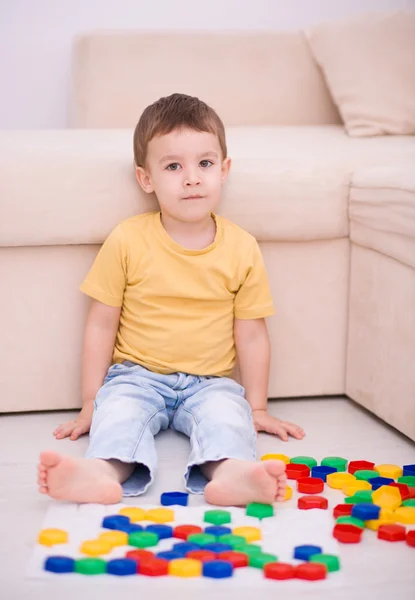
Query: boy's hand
<point>76,427</point>
<point>263,421</point>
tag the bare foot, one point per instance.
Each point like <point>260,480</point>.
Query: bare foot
<point>77,479</point>
<point>239,482</point>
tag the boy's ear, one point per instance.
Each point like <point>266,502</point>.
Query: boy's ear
<point>226,165</point>
<point>144,179</point>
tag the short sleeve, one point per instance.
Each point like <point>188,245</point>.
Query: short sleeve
<point>106,280</point>
<point>253,300</point>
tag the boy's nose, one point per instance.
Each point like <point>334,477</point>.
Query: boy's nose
<point>191,178</point>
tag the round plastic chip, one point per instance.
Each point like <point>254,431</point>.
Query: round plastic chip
<point>217,569</point>
<point>59,564</point>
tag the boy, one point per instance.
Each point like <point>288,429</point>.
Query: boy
<point>177,294</point>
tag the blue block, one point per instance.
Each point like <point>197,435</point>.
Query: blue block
<point>132,528</point>
<point>216,548</point>
<point>59,564</point>
<point>117,522</point>
<point>377,482</point>
<point>169,555</point>
<point>366,512</point>
<point>218,569</point>
<point>122,566</point>
<point>163,531</point>
<point>217,530</point>
<point>184,547</point>
<point>409,470</point>
<point>321,472</point>
<point>171,498</point>
<point>304,552</point>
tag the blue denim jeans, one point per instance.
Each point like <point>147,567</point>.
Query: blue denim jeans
<point>134,404</point>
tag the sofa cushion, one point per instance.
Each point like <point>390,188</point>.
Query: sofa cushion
<point>382,210</point>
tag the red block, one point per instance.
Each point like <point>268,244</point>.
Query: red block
<point>410,538</point>
<point>238,559</point>
<point>360,465</point>
<point>140,556</point>
<point>183,531</point>
<point>279,571</point>
<point>347,534</point>
<point>202,555</point>
<point>411,491</point>
<point>392,533</point>
<point>296,472</point>
<point>310,485</point>
<point>307,502</point>
<point>154,568</point>
<point>342,510</point>
<point>403,489</point>
<point>311,571</point>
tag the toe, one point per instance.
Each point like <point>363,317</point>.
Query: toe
<point>49,458</point>
<point>274,467</point>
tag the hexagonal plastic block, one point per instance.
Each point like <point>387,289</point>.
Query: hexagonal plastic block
<point>408,471</point>
<point>360,465</point>
<point>338,462</point>
<point>232,539</point>
<point>378,482</point>
<point>321,472</point>
<point>134,513</point>
<point>261,511</point>
<point>183,531</point>
<point>185,567</point>
<point>366,474</point>
<point>260,560</point>
<point>160,515</point>
<point>356,486</point>
<point>297,471</point>
<point>311,571</point>
<point>279,571</point>
<point>308,502</point>
<point>140,556</point>
<point>331,561</point>
<point>403,489</point>
<point>174,498</point>
<point>218,530</point>
<point>360,497</point>
<point>409,502</point>
<point>163,531</point>
<point>250,534</point>
<point>122,566</point>
<point>143,539</point>
<point>387,496</point>
<point>339,480</point>
<point>90,566</point>
<point>410,538</point>
<point>217,517</point>
<point>351,521</point>
<point>405,514</point>
<point>156,567</point>
<point>50,537</point>
<point>304,460</point>
<point>310,485</point>
<point>283,457</point>
<point>304,552</point>
<point>217,569</point>
<point>365,512</point>
<point>237,559</point>
<point>386,470</point>
<point>201,539</point>
<point>118,522</point>
<point>342,510</point>
<point>408,479</point>
<point>184,548</point>
<point>392,533</point>
<point>202,555</point>
<point>347,534</point>
<point>59,564</point>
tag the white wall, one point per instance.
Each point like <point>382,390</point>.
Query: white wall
<point>36,38</point>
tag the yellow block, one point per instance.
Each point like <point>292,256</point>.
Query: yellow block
<point>251,534</point>
<point>288,493</point>
<point>114,538</point>
<point>134,513</point>
<point>351,488</point>
<point>185,567</point>
<point>160,515</point>
<point>386,517</point>
<point>393,471</point>
<point>339,480</point>
<point>405,515</point>
<point>282,457</point>
<point>95,547</point>
<point>387,497</point>
<point>50,537</point>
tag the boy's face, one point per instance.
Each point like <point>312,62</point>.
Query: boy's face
<point>185,169</point>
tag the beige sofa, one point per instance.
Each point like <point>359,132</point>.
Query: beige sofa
<point>335,216</point>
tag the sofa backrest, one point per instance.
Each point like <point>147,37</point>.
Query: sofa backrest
<point>250,78</point>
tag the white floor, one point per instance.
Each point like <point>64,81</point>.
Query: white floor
<point>373,569</point>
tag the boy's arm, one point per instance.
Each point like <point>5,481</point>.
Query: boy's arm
<point>253,353</point>
<point>98,345</point>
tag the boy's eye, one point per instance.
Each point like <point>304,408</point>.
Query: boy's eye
<point>203,163</point>
<point>172,167</point>
<point>175,166</point>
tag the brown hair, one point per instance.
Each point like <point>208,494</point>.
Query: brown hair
<point>175,112</point>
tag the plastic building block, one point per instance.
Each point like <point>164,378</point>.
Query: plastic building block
<point>321,472</point>
<point>261,511</point>
<point>260,560</point>
<point>202,555</point>
<point>410,538</point>
<point>304,552</point>
<point>392,533</point>
<point>411,491</point>
<point>133,513</point>
<point>143,539</point>
<point>235,541</point>
<point>288,493</point>
<point>174,498</point>
<point>51,537</point>
<point>387,497</point>
<point>116,522</point>
<point>250,534</point>
<point>250,549</point>
<point>360,465</point>
<point>183,531</point>
<point>385,517</point>
<point>134,527</point>
<point>185,547</point>
<point>217,517</point>
<point>365,512</point>
<point>217,569</point>
<point>185,567</point>
<point>201,539</point>
<point>218,531</point>
<point>351,521</point>
<point>378,482</point>
<point>339,480</point>
<point>307,502</point>
<point>218,547</point>
<point>408,471</point>
<point>392,471</point>
<point>155,567</point>
<point>356,486</point>
<point>331,561</point>
<point>279,571</point>
<point>409,502</point>
<point>163,531</point>
<point>360,497</point>
<point>403,489</point>
<point>366,474</point>
<point>90,566</point>
<point>237,559</point>
<point>342,510</point>
<point>114,538</point>
<point>405,514</point>
<point>304,460</point>
<point>282,457</point>
<point>122,566</point>
<point>338,462</point>
<point>169,555</point>
<point>95,547</point>
<point>311,571</point>
<point>409,480</point>
<point>59,564</point>
<point>140,556</point>
<point>347,534</point>
<point>295,471</point>
<point>160,515</point>
<point>310,485</point>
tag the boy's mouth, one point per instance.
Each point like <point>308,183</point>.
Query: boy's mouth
<point>193,197</point>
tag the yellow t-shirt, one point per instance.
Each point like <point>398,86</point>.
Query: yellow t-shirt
<point>178,305</point>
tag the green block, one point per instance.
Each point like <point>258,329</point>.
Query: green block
<point>143,539</point>
<point>408,479</point>
<point>201,539</point>
<point>360,497</point>
<point>304,460</point>
<point>250,549</point>
<point>409,502</point>
<point>217,517</point>
<point>351,521</point>
<point>366,475</point>
<point>260,510</point>
<point>233,540</point>
<point>90,566</point>
<point>260,560</point>
<point>337,462</point>
<point>331,561</point>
